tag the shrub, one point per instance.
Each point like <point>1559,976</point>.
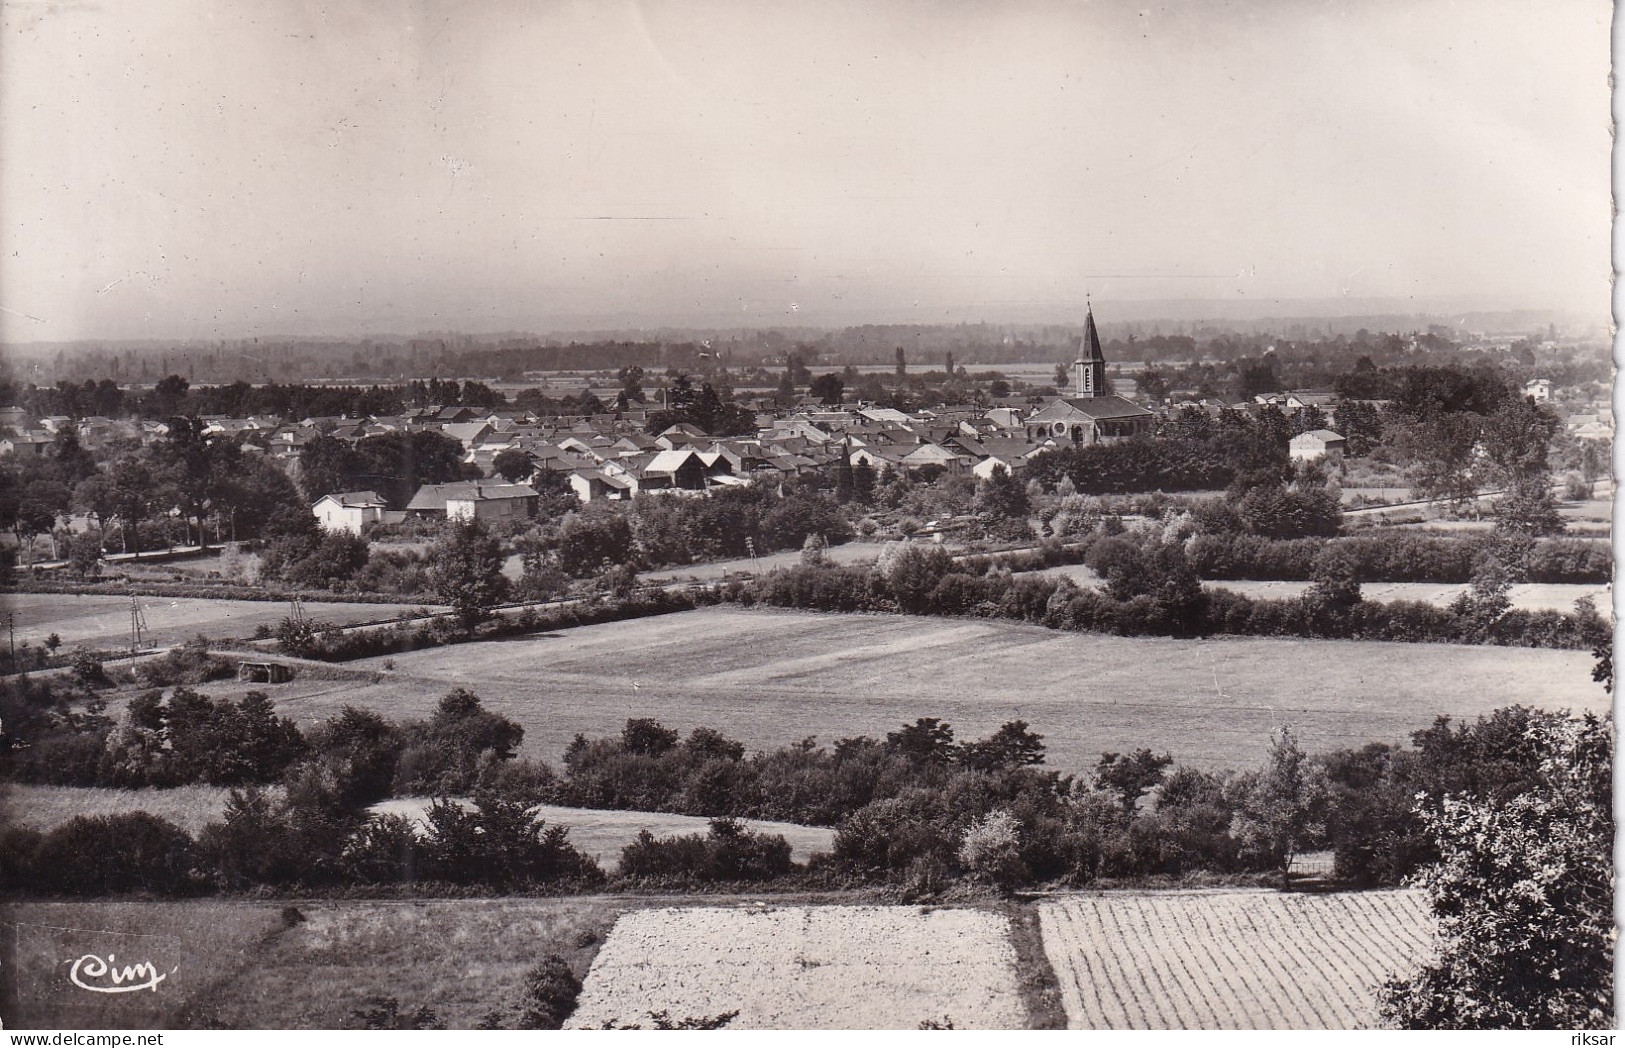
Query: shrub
<point>87,669</point>
<point>991,850</point>
<point>551,989</point>
<point>500,843</point>
<point>111,854</point>
<point>890,835</point>
<point>358,749</point>
<point>445,754</point>
<point>189,664</point>
<point>17,848</point>
<point>385,850</point>
<point>299,840</point>
<point>728,852</point>
<point>912,570</point>
<point>385,1014</point>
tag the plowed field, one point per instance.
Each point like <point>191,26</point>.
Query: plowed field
<point>1234,960</point>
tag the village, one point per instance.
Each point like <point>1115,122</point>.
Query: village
<point>509,455</point>
<point>772,517</point>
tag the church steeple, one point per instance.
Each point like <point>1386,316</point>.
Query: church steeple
<point>1090,367</point>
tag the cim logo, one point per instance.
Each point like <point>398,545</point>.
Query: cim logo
<point>92,973</point>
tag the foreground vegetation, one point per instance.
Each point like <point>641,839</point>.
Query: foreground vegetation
<point>919,808</point>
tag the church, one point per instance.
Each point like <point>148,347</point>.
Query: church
<point>1092,415</point>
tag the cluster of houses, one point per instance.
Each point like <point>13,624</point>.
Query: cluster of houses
<point>27,437</point>
<point>612,457</point>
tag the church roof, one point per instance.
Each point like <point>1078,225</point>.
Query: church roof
<point>1109,406</point>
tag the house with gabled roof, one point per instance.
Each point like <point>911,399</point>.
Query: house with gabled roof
<point>934,455</point>
<point>28,444</point>
<point>469,434</point>
<point>351,511</point>
<point>684,468</point>
<point>591,485</point>
<point>474,499</point>
<point>1317,444</point>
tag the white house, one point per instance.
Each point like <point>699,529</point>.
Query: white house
<point>590,484</point>
<point>1539,388</point>
<point>1317,444</point>
<point>350,510</point>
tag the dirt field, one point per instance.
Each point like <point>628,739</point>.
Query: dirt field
<point>602,834</point>
<point>769,678</point>
<point>1231,960</point>
<point>103,621</point>
<point>796,968</point>
<point>1530,595</point>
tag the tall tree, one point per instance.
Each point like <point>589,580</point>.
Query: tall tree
<point>1281,808</point>
<point>467,572</point>
<point>827,388</point>
<point>1523,894</point>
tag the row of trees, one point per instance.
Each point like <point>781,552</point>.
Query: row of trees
<point>1152,588</point>
<point>186,487</point>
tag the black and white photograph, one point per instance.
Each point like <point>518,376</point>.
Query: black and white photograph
<point>781,515</point>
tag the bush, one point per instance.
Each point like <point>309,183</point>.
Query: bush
<point>190,738</point>
<point>385,850</point>
<point>728,852</point>
<point>888,836</point>
<point>112,854</point>
<point>17,848</point>
<point>386,1014</point>
<point>87,669</point>
<point>445,755</point>
<point>912,570</point>
<point>551,989</point>
<point>299,840</point>
<point>500,844</point>
<point>991,850</point>
<point>189,664</point>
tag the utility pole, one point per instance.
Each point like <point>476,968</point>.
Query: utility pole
<point>138,624</point>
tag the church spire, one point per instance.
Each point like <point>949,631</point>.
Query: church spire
<point>1090,367</point>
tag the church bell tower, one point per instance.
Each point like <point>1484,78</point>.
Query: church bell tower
<point>1090,367</point>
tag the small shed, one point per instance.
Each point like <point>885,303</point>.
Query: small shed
<point>264,673</point>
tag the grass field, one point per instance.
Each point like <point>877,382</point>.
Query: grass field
<point>848,553</point>
<point>769,678</point>
<point>802,968</point>
<point>1231,960</point>
<point>45,807</point>
<point>201,947</point>
<point>602,834</point>
<point>237,965</point>
<point>103,621</point>
<point>461,958</point>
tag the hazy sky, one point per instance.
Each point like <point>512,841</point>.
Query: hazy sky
<point>179,169</point>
